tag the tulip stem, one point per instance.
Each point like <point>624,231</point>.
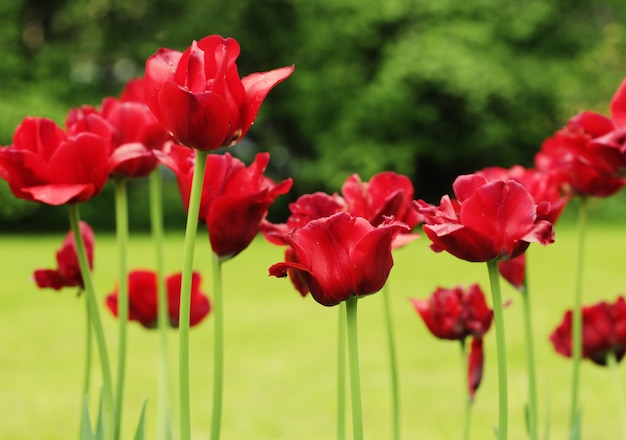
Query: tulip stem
<point>121,228</point>
<point>164,426</point>
<point>353,357</point>
<point>96,322</point>
<point>185,294</point>
<point>341,373</point>
<point>619,393</point>
<point>530,364</point>
<point>577,320</point>
<point>218,348</point>
<point>393,367</point>
<point>88,352</point>
<point>494,278</point>
<point>467,399</point>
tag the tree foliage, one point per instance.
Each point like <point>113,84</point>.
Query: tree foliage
<point>428,89</point>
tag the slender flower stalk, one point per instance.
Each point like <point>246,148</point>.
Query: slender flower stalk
<point>530,363</point>
<point>185,294</point>
<point>96,323</point>
<point>341,373</point>
<point>393,367</point>
<point>467,399</point>
<point>218,347</point>
<point>619,392</point>
<point>121,228</point>
<point>355,375</point>
<point>577,319</point>
<point>494,278</point>
<point>88,355</point>
<point>156,221</point>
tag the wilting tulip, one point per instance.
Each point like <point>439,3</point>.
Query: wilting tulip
<point>487,220</point>
<point>234,198</point>
<point>340,256</point>
<point>603,332</point>
<point>67,273</point>
<point>198,96</point>
<point>143,299</point>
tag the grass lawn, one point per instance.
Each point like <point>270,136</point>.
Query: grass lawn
<point>280,354</point>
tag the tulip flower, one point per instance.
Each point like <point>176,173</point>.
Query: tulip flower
<point>603,332</point>
<point>67,273</point>
<point>142,299</point>
<point>341,256</point>
<point>198,96</point>
<point>455,313</point>
<point>234,198</point>
<point>487,221</point>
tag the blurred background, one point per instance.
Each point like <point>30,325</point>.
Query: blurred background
<point>428,89</point>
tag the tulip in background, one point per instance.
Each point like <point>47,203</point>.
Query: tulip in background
<point>67,273</point>
<point>143,299</point>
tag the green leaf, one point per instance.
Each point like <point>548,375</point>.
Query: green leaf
<point>140,433</point>
<point>85,432</point>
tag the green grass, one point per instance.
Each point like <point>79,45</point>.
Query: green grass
<point>280,354</point>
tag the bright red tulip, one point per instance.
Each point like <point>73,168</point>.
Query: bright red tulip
<point>67,273</point>
<point>455,313</point>
<point>47,165</point>
<point>198,96</point>
<point>571,157</point>
<point>143,299</point>
<point>340,256</point>
<point>487,221</point>
<point>603,332</point>
<point>387,194</point>
<point>235,199</point>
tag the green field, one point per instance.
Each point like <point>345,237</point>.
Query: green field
<point>280,354</point>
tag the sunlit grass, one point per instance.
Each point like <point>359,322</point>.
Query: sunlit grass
<point>280,353</point>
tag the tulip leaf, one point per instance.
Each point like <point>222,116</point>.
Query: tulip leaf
<point>86,433</point>
<point>140,432</point>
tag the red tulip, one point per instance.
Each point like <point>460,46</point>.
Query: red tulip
<point>455,313</point>
<point>487,221</point>
<point>340,256</point>
<point>603,332</point>
<point>143,299</point>
<point>47,165</point>
<point>387,194</point>
<point>583,169</point>
<point>198,96</point>
<point>234,198</point>
<point>67,273</point>
<point>475,366</point>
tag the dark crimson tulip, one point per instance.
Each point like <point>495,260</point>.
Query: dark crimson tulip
<point>199,97</point>
<point>514,271</point>
<point>67,273</point>
<point>143,299</point>
<point>455,313</point>
<point>603,332</point>
<point>47,165</point>
<point>486,221</point>
<point>235,199</point>
<point>582,169</point>
<point>387,194</point>
<point>340,256</point>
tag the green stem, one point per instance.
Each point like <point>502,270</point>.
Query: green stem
<point>494,279</point>
<point>393,367</point>
<point>156,221</point>
<point>467,400</point>
<point>121,228</point>
<point>577,319</point>
<point>185,294</point>
<point>218,348</point>
<point>619,393</point>
<point>88,354</point>
<point>96,322</point>
<point>353,357</point>
<point>341,373</point>
<point>530,364</point>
